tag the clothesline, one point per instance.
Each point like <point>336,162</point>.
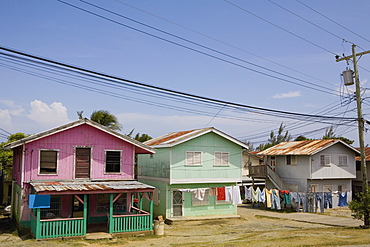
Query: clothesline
<point>310,201</point>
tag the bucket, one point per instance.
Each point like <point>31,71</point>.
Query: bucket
<point>158,227</point>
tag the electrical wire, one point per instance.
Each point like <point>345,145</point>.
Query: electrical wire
<point>325,90</point>
<point>222,42</point>
<point>285,30</point>
<point>116,79</point>
<point>310,22</point>
<point>349,30</point>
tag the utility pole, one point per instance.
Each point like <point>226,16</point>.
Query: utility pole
<point>361,126</point>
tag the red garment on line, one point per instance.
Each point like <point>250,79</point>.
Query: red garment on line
<point>221,196</point>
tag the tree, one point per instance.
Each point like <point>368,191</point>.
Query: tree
<point>301,138</point>
<point>6,155</point>
<point>329,134</point>
<point>103,117</point>
<point>359,206</point>
<point>276,139</point>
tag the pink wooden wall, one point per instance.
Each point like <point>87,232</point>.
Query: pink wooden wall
<point>80,136</point>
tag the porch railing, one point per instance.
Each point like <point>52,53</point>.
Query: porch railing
<point>131,222</point>
<point>55,228</point>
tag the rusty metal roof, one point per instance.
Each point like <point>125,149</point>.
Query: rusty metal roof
<point>308,147</point>
<point>175,138</point>
<point>367,154</point>
<point>86,186</point>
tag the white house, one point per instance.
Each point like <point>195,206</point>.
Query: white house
<point>311,166</point>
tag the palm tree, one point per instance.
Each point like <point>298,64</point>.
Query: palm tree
<point>103,117</point>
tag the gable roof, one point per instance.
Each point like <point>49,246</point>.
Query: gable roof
<point>74,124</point>
<point>308,147</point>
<point>175,138</point>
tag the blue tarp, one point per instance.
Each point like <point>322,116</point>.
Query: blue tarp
<point>39,201</point>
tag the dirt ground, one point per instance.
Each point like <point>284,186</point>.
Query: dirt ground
<point>255,228</point>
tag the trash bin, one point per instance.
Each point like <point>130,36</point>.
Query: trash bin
<point>158,227</point>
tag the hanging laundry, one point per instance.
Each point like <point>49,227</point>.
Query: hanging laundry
<point>319,196</point>
<point>328,200</point>
<point>221,196</point>
<point>286,196</point>
<point>275,201</point>
<point>236,199</point>
<point>342,199</point>
<point>293,199</point>
<point>213,192</point>
<point>310,198</point>
<point>262,196</point>
<point>248,193</point>
<point>198,193</point>
<point>268,198</point>
<point>302,201</point>
<point>255,194</point>
<point>228,193</point>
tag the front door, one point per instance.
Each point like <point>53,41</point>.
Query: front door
<point>177,203</point>
<point>82,166</point>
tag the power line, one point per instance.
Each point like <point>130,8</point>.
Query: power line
<point>230,105</point>
<point>326,90</point>
<point>332,21</point>
<point>222,42</point>
<point>310,22</point>
<point>285,30</point>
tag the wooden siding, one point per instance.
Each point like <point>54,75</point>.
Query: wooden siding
<point>208,144</point>
<point>334,171</point>
<point>66,142</point>
<point>294,174</point>
<point>157,165</point>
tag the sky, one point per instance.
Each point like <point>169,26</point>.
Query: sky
<point>277,55</point>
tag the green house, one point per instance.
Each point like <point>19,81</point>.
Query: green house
<point>191,170</point>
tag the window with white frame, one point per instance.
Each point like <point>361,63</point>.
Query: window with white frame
<point>221,159</point>
<point>112,161</point>
<point>343,159</point>
<point>325,159</point>
<point>193,158</point>
<point>291,160</point>
<point>48,162</point>
<point>197,202</point>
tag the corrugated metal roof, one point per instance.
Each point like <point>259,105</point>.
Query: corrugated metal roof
<point>367,154</point>
<point>307,147</point>
<point>176,138</point>
<point>89,186</point>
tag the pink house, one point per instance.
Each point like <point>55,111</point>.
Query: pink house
<point>76,178</point>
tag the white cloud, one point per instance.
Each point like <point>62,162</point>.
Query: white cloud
<point>48,116</point>
<point>5,119</point>
<point>287,95</point>
<point>14,109</point>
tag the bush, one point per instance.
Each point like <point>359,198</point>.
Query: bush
<point>360,205</point>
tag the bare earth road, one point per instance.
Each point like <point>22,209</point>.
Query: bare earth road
<point>255,228</point>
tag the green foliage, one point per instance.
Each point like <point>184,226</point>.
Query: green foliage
<point>6,155</point>
<point>329,134</point>
<point>103,117</point>
<point>301,138</point>
<point>276,139</point>
<point>361,205</point>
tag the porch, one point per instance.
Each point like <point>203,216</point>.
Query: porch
<point>123,213</point>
